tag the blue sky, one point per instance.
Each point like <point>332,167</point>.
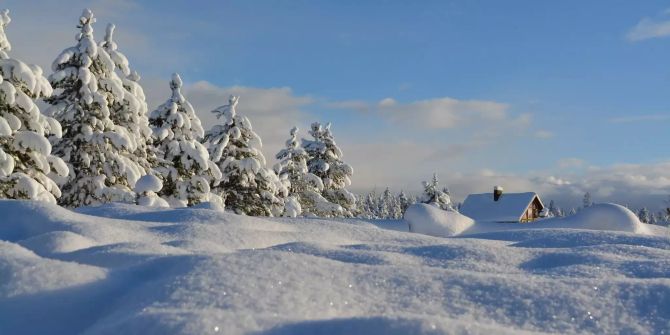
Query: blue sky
<point>559,97</point>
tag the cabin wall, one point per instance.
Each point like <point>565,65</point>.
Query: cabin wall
<point>532,213</point>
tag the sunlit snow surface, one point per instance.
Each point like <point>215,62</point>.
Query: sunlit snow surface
<point>135,270</point>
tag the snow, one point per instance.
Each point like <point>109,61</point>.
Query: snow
<point>509,208</point>
<point>148,183</point>
<point>127,269</point>
<point>431,220</point>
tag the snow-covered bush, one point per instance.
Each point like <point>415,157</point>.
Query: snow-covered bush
<point>325,161</point>
<point>25,153</point>
<point>434,196</point>
<point>184,165</point>
<point>247,185</point>
<point>98,152</point>
<point>147,188</point>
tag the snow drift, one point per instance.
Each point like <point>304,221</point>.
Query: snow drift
<point>432,220</point>
<point>125,269</point>
<point>608,217</point>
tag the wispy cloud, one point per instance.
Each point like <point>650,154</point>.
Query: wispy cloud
<point>649,27</point>
<point>640,118</point>
<point>436,113</point>
<point>272,111</point>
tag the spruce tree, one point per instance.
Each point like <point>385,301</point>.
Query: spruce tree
<point>643,215</point>
<point>434,196</point>
<point>25,151</point>
<point>96,150</point>
<point>185,169</point>
<point>325,161</point>
<point>303,186</point>
<point>405,201</point>
<point>131,111</point>
<point>247,186</point>
<point>587,202</point>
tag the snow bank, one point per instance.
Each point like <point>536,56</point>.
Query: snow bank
<point>608,217</point>
<point>148,183</point>
<point>431,220</point>
<point>126,269</point>
<point>602,217</point>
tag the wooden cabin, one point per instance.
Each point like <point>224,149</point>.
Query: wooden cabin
<point>502,207</point>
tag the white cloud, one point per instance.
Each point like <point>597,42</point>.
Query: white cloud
<point>649,28</point>
<point>629,184</point>
<point>442,113</point>
<point>272,111</point>
<point>436,113</point>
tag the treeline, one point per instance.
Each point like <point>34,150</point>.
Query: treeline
<point>97,142</point>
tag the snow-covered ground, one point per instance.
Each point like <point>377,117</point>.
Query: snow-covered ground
<point>123,269</point>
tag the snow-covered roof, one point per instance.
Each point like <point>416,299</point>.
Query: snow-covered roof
<point>509,208</point>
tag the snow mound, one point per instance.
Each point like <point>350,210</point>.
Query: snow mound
<point>57,242</point>
<point>430,220</point>
<point>148,183</point>
<point>22,272</point>
<point>601,217</point>
<point>605,217</point>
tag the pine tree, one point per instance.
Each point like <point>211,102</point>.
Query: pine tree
<point>247,186</point>
<point>554,210</point>
<point>587,202</point>
<point>25,152</point>
<point>130,112</point>
<point>186,170</point>
<point>573,211</point>
<point>325,161</point>
<point>370,206</point>
<point>405,201</point>
<point>385,204</point>
<point>643,215</point>
<point>303,186</point>
<point>96,151</point>
<point>432,195</point>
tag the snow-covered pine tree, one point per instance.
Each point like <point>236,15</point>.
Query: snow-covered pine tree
<point>247,186</point>
<point>405,201</point>
<point>396,209</point>
<point>369,206</point>
<point>325,161</point>
<point>97,151</point>
<point>185,169</point>
<point>573,211</point>
<point>643,215</point>
<point>434,196</point>
<point>587,202</point>
<point>304,186</point>
<point>25,151</point>
<point>554,210</point>
<point>386,204</point>
<point>131,112</point>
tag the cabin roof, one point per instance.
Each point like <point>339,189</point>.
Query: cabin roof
<point>509,208</point>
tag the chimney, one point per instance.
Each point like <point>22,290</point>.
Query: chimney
<point>497,192</point>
